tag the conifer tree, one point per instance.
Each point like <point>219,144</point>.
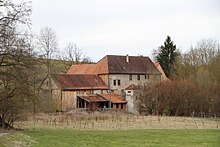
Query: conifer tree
<point>166,55</point>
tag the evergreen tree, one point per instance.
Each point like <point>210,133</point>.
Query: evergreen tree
<point>166,55</point>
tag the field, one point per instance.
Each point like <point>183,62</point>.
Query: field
<point>69,137</point>
<point>116,121</point>
<point>113,130</point>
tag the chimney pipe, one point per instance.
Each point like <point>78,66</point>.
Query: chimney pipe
<point>127,58</point>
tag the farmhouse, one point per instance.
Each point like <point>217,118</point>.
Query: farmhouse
<point>118,72</point>
<point>105,84</point>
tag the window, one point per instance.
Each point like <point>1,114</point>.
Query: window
<point>119,82</point>
<point>114,82</point>
<point>122,106</point>
<point>128,92</point>
<point>145,76</point>
<point>130,77</point>
<point>138,77</point>
<point>117,106</point>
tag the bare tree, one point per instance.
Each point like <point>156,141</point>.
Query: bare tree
<point>201,54</point>
<point>14,56</point>
<point>181,97</point>
<point>204,55</point>
<point>47,42</point>
<point>75,55</point>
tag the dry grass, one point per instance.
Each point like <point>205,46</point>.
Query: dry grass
<point>114,121</point>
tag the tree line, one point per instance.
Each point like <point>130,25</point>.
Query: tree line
<point>193,85</point>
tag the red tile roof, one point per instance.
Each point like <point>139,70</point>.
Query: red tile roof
<point>78,81</point>
<point>132,87</point>
<point>163,75</point>
<point>112,64</point>
<point>82,69</point>
<point>114,98</point>
<point>93,98</point>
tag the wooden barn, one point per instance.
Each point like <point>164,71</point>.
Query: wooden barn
<point>66,87</point>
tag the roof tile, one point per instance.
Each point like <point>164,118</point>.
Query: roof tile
<point>93,98</point>
<point>114,98</point>
<point>112,64</point>
<point>79,81</point>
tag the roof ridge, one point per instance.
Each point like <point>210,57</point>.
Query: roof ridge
<point>78,74</point>
<point>128,55</point>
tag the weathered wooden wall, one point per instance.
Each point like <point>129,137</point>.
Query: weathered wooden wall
<point>67,99</point>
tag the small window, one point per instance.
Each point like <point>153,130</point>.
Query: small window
<point>138,77</point>
<point>130,77</point>
<point>122,106</point>
<point>129,91</point>
<point>119,82</point>
<point>117,106</point>
<point>114,82</point>
<point>148,76</point>
<point>145,76</point>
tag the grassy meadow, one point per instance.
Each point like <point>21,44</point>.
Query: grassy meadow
<point>149,137</point>
<point>60,130</point>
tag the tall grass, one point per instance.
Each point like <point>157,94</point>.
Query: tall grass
<point>115,121</point>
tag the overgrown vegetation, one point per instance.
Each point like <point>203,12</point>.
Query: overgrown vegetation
<point>16,61</point>
<point>117,121</point>
<point>193,88</point>
<point>24,63</point>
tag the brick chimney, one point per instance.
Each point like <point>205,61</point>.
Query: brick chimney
<point>127,58</point>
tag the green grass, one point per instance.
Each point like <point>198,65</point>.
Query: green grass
<point>68,137</point>
<point>15,139</point>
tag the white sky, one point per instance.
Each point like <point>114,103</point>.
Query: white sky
<point>101,27</point>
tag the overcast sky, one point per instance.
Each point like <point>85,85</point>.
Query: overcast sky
<point>134,27</point>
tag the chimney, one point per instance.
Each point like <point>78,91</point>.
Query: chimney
<point>127,58</point>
